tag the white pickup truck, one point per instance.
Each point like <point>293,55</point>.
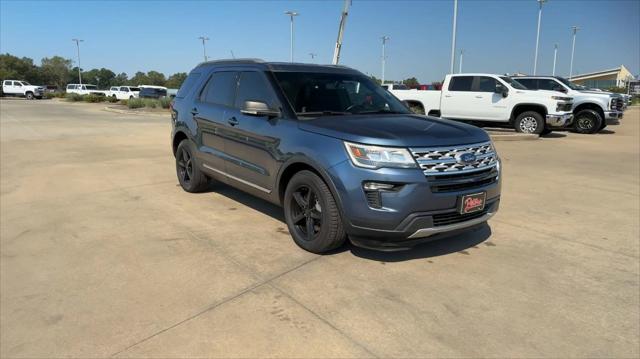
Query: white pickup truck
<point>85,89</point>
<point>493,98</point>
<point>22,89</point>
<point>593,110</point>
<point>123,92</point>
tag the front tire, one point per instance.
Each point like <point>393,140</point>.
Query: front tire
<point>189,174</point>
<point>312,214</point>
<point>588,122</point>
<point>529,122</point>
<point>29,96</point>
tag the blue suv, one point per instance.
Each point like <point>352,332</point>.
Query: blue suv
<point>344,157</point>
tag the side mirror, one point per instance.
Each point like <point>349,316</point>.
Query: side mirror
<point>258,108</point>
<point>502,90</point>
<point>560,89</point>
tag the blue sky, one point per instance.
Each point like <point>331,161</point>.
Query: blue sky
<point>497,36</point>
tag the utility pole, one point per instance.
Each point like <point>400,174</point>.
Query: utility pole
<point>453,38</point>
<point>384,56</point>
<point>78,41</point>
<point>555,57</point>
<point>343,23</point>
<point>204,47</point>
<point>535,60</point>
<point>573,49</point>
<point>460,64</point>
<point>291,15</point>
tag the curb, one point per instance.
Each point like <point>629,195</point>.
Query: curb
<point>126,112</point>
<point>513,137</point>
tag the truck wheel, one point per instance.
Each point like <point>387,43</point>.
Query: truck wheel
<point>115,98</point>
<point>189,174</point>
<point>529,122</point>
<point>587,121</point>
<point>312,214</point>
<point>29,95</point>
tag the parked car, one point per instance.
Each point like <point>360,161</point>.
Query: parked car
<point>22,89</point>
<point>50,88</point>
<point>487,98</point>
<point>394,87</point>
<point>147,91</point>
<point>343,156</point>
<point>123,92</point>
<point>84,89</point>
<point>592,110</point>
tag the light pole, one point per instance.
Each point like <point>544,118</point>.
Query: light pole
<point>291,15</point>
<point>204,47</point>
<point>384,56</point>
<point>460,64</point>
<point>343,22</point>
<point>535,60</point>
<point>573,49</point>
<point>78,41</point>
<point>555,57</point>
<point>453,38</point>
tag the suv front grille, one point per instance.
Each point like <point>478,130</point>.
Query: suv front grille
<point>444,219</point>
<point>446,172</point>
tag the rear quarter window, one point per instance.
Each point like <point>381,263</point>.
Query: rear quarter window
<point>188,84</point>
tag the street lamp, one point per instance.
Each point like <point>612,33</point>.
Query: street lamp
<point>535,60</point>
<point>453,38</point>
<point>460,63</point>
<point>573,48</point>
<point>291,15</point>
<point>555,57</point>
<point>384,56</point>
<point>78,41</point>
<point>204,47</point>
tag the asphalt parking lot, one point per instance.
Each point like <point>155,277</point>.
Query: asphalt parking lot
<point>103,254</point>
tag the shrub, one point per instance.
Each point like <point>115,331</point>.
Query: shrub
<point>49,95</point>
<point>124,102</point>
<point>135,103</point>
<point>165,102</point>
<point>73,97</point>
<point>93,98</point>
<point>151,103</point>
<point>112,99</point>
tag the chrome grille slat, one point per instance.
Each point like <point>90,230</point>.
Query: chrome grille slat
<point>436,161</point>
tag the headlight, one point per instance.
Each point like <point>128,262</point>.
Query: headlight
<point>562,98</point>
<point>377,157</point>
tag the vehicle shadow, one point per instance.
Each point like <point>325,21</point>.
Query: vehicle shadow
<point>455,244</point>
<point>554,135</point>
<point>606,132</point>
<point>248,200</point>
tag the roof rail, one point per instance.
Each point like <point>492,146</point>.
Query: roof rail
<point>234,61</point>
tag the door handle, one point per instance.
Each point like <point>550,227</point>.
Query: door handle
<point>233,121</point>
<point>447,95</point>
<point>478,96</point>
<point>194,111</point>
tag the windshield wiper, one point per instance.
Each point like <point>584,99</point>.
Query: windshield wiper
<point>380,111</point>
<point>322,113</point>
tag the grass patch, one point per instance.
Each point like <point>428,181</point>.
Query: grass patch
<point>93,98</point>
<point>148,103</point>
<point>73,97</point>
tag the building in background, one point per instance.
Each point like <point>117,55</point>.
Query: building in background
<point>618,77</point>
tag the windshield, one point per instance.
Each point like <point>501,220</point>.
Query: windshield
<point>569,84</point>
<point>316,94</point>
<point>92,87</point>
<point>25,83</point>
<point>514,84</point>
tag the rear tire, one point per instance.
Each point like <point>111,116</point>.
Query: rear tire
<point>189,174</point>
<point>588,122</point>
<point>312,214</point>
<point>529,122</point>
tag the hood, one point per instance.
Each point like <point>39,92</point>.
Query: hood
<point>395,130</point>
<point>600,93</point>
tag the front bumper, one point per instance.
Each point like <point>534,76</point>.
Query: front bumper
<point>613,117</point>
<point>559,120</point>
<point>408,216</point>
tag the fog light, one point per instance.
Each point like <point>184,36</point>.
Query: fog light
<point>377,186</point>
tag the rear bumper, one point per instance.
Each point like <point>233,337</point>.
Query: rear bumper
<point>559,120</point>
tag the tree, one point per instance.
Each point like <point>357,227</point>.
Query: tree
<point>411,82</point>
<point>15,68</point>
<point>55,70</point>
<point>376,80</point>
<point>140,78</point>
<point>104,78</point>
<point>175,81</point>
<point>120,79</point>
<point>156,78</point>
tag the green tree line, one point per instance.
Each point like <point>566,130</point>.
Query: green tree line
<point>59,71</point>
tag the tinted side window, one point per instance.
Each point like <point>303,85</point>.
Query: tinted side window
<point>486,84</point>
<point>188,84</point>
<point>7,83</point>
<point>461,83</point>
<point>546,84</point>
<point>221,89</point>
<point>254,87</point>
<point>531,84</point>
<point>124,89</point>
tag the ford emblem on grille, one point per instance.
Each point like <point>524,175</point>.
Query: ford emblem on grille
<point>466,158</point>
